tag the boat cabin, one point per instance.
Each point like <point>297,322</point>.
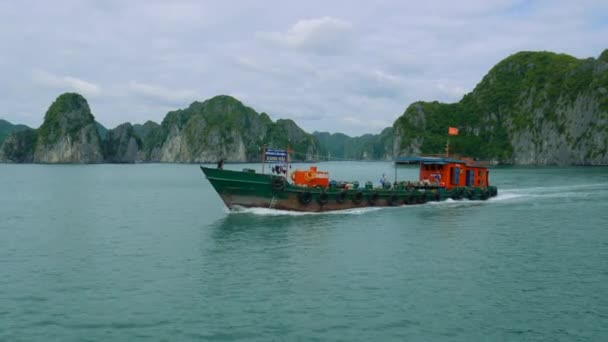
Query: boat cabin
<point>450,172</point>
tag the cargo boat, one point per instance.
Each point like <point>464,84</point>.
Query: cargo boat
<point>440,178</point>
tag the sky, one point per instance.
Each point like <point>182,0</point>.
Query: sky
<point>337,66</point>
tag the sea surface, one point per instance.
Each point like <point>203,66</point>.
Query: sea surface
<point>150,253</point>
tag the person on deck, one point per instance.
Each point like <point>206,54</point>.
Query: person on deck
<point>220,164</point>
<point>437,178</point>
<point>383,180</point>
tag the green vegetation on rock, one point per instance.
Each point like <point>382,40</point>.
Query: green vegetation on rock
<point>66,116</point>
<point>222,127</point>
<point>529,109</point>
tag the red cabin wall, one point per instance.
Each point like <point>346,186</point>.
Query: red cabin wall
<point>429,172</point>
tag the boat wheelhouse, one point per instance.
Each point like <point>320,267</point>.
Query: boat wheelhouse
<point>450,172</point>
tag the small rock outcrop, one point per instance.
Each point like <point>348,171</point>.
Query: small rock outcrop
<point>69,133</point>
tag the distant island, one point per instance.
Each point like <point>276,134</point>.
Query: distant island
<point>532,108</point>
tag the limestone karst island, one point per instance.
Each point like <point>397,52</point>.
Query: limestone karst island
<point>532,108</point>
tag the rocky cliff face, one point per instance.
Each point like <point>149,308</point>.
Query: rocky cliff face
<point>531,108</point>
<point>222,127</point>
<point>122,145</point>
<point>340,146</point>
<point>68,133</point>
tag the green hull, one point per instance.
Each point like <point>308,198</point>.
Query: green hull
<point>248,189</point>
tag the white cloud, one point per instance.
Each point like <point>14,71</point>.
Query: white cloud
<point>453,92</point>
<point>161,93</point>
<point>363,122</point>
<point>319,35</point>
<point>375,83</point>
<point>351,120</point>
<point>65,83</point>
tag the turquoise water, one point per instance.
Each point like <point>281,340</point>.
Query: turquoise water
<point>148,252</point>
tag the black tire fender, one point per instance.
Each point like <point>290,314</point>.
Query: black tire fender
<point>372,198</point>
<point>278,183</point>
<point>305,197</point>
<point>393,200</point>
<point>341,197</point>
<point>322,198</point>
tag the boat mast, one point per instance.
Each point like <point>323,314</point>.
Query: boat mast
<point>287,150</point>
<point>395,166</point>
<point>263,157</point>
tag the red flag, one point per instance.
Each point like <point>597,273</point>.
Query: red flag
<point>453,131</point>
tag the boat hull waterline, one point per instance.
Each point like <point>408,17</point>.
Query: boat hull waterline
<point>255,190</point>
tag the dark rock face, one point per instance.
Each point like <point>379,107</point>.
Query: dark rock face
<point>122,145</point>
<point>6,128</point>
<point>19,147</point>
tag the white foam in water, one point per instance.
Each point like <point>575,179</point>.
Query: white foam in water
<point>506,196</point>
<point>448,201</point>
<point>561,191</point>
<point>559,188</point>
<point>277,212</point>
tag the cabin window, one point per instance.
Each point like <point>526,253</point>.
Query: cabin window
<point>470,177</point>
<point>455,175</point>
